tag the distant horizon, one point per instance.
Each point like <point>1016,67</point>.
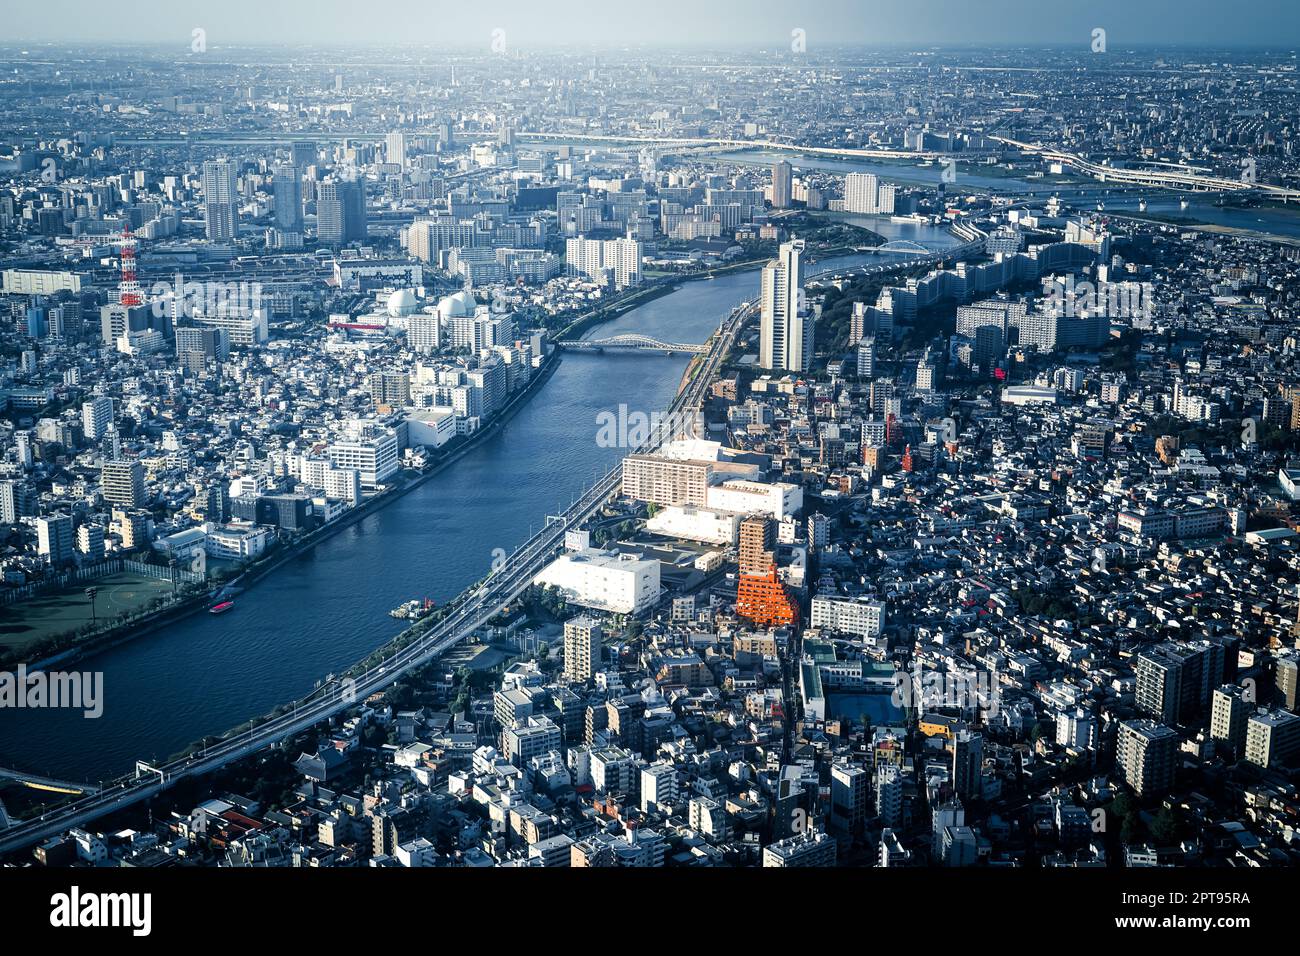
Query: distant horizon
<point>739,46</point>
<point>682,24</point>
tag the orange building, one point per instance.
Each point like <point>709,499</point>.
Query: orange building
<point>763,599</point>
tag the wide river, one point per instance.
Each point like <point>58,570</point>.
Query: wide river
<point>321,612</point>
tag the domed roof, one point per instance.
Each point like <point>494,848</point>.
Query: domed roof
<point>402,302</point>
<point>458,303</point>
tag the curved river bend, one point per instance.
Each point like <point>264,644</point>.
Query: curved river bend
<point>328,608</point>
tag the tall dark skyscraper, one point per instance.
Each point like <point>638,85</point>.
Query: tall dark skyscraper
<point>341,212</point>
<point>288,198</point>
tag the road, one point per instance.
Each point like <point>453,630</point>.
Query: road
<point>467,613</point>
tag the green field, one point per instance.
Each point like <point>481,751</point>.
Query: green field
<point>61,612</point>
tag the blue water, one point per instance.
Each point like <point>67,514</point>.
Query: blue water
<point>323,611</point>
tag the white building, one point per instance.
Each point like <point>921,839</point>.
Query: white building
<point>778,499</point>
<point>431,426</point>
<point>696,524</point>
<point>785,326</point>
<point>602,259</point>
<point>236,542</point>
<point>375,457</point>
<point>604,580</point>
<point>864,618</point>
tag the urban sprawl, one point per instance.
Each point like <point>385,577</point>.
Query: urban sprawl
<point>976,552</point>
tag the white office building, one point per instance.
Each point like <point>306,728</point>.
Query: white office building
<point>374,456</point>
<point>604,580</point>
<point>779,499</point>
<point>861,617</point>
<point>785,327</point>
<point>696,524</point>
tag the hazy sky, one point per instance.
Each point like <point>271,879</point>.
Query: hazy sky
<point>535,23</point>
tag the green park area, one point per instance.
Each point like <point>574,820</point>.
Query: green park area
<point>65,612</point>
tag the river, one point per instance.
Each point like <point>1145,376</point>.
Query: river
<point>1281,222</point>
<point>328,608</point>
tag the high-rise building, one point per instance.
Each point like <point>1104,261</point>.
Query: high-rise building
<point>16,501</point>
<point>861,193</point>
<point>204,344</point>
<point>1228,714</point>
<point>288,198</point>
<point>303,154</point>
<point>96,417</point>
<point>1146,753</point>
<point>90,541</point>
<point>616,261</point>
<point>117,320</point>
<point>666,481</point>
<point>122,483</point>
<point>1273,739</point>
<point>757,548</point>
<point>812,848</point>
<point>782,184</point>
<point>849,799</point>
<point>786,329</point>
<point>423,333</point>
<point>395,149</point>
<point>867,358</point>
<point>1175,680</point>
<point>1286,678</point>
<point>390,388</point>
<point>582,637</point>
<point>220,199</point>
<point>341,212</point>
<point>54,538</point>
<point>967,762</point>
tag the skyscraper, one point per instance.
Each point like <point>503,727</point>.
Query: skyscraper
<point>288,198</point>
<point>341,212</point>
<point>220,199</point>
<point>861,193</point>
<point>395,149</point>
<point>303,154</point>
<point>786,330</point>
<point>782,184</point>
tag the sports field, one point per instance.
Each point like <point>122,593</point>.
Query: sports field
<point>59,612</point>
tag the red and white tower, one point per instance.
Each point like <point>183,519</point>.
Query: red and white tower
<point>129,287</point>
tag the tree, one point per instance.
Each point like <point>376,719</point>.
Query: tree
<point>1164,827</point>
<point>1131,830</point>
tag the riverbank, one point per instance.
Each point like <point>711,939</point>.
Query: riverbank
<point>255,572</point>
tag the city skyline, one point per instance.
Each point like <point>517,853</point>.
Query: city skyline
<point>732,23</point>
<point>651,438</point>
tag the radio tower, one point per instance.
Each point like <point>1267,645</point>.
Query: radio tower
<point>129,286</point>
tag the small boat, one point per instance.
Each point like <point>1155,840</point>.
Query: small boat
<point>1182,204</point>
<point>221,608</point>
<point>412,610</point>
<point>1142,205</point>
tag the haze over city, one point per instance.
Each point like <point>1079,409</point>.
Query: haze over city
<point>730,436</point>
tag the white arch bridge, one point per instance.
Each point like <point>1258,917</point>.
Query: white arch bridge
<point>634,342</point>
<point>898,246</point>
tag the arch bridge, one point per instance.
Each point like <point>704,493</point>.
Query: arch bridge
<point>635,342</point>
